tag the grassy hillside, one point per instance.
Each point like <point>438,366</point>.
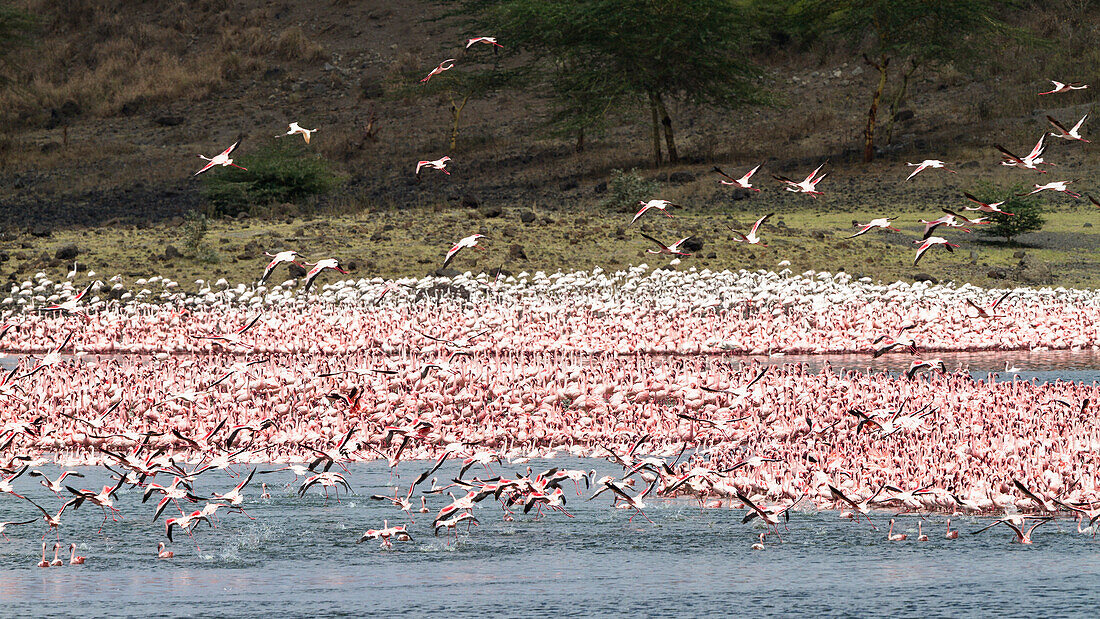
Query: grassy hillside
<point>104,116</point>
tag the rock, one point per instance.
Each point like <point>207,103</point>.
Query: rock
<point>172,253</point>
<point>857,71</point>
<point>1086,225</point>
<point>904,115</point>
<point>40,231</point>
<point>492,211</point>
<point>70,109</point>
<point>1019,254</point>
<point>469,200</point>
<point>67,252</point>
<point>353,266</point>
<point>509,232</point>
<point>516,252</point>
<point>997,273</point>
<point>692,245</point>
<point>527,217</point>
<point>924,277</point>
<point>297,271</point>
<point>681,177</point>
<point>712,256</point>
<point>168,120</point>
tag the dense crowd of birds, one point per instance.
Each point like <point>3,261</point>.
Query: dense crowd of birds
<point>161,387</point>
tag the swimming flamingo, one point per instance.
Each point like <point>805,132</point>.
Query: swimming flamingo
<point>295,128</point>
<point>443,66</point>
<point>163,552</point>
<point>222,158</point>
<point>73,558</point>
<point>661,205</point>
<point>469,241</point>
<point>57,562</point>
<point>759,545</point>
<point>1060,87</point>
<point>742,182</point>
<point>921,537</point>
<point>950,534</point>
<point>751,237</point>
<point>1072,134</point>
<point>891,536</point>
<point>43,562</point>
<point>927,163</point>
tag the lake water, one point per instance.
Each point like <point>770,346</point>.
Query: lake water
<point>299,558</point>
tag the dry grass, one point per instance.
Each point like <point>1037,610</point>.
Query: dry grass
<point>293,44</point>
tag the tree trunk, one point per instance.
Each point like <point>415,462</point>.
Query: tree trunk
<point>579,148</point>
<point>656,131</point>
<point>456,114</point>
<point>869,132</point>
<point>666,120</point>
<point>899,99</point>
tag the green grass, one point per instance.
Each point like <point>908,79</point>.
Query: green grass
<point>392,243</point>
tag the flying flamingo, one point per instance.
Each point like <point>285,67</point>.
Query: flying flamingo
<point>438,164</point>
<point>446,65</point>
<point>233,338</point>
<point>1059,186</point>
<point>1072,134</point>
<point>947,220</point>
<point>321,265</point>
<point>486,40</point>
<point>1016,523</point>
<point>222,158</point>
<point>751,237</point>
<point>807,186</point>
<point>469,241</point>
<point>993,207</point>
<point>295,129</point>
<point>288,256</point>
<point>881,222</point>
<point>452,523</point>
<point>742,182</point>
<point>925,364</point>
<point>69,307</point>
<point>1030,162</point>
<point>927,163</point>
<point>661,205</point>
<point>671,250</point>
<point>929,242</point>
<point>387,532</point>
<point>5,525</point>
<point>1060,87</point>
<point>991,312</point>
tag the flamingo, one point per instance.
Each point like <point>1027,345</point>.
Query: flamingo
<point>863,507</point>
<point>1072,134</point>
<point>186,523</point>
<point>327,480</point>
<point>1030,162</point>
<point>387,532</point>
<point>993,207</point>
<point>671,250</point>
<point>895,537</point>
<point>742,182</point>
<point>57,562</point>
<point>73,558</point>
<point>929,242</point>
<point>5,525</point>
<point>54,486</point>
<point>321,265</point>
<point>661,205</point>
<point>927,163</point>
<point>486,40</point>
<point>452,523</point>
<point>759,545</point>
<point>921,537</point>
<point>277,259</point>
<point>230,339</point>
<point>222,158</point>
<point>925,364</point>
<point>69,307</point>
<point>751,237</point>
<point>950,534</point>
<point>807,186</point>
<point>438,164</point>
<point>296,129</point>
<point>947,220</point>
<point>881,222</point>
<point>52,358</point>
<point>991,312</point>
<point>1059,186</point>
<point>1016,523</point>
<point>446,65</point>
<point>43,562</point>
<point>1060,87</point>
<point>163,552</point>
<point>467,242</point>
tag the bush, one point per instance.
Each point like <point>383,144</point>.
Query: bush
<point>625,189</point>
<point>193,231</point>
<point>285,172</point>
<point>1027,213</point>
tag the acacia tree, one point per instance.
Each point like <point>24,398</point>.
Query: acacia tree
<point>594,55</point>
<point>916,34</point>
